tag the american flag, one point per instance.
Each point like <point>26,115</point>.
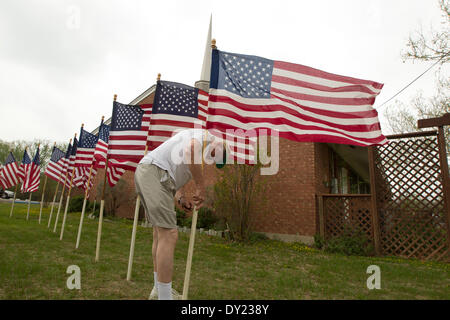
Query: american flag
<point>101,150</point>
<point>176,107</point>
<point>85,149</point>
<point>301,103</point>
<point>128,135</point>
<point>2,180</point>
<point>21,172</point>
<point>32,175</point>
<point>65,164</point>
<point>55,166</point>
<point>10,172</point>
<point>71,164</point>
<point>84,159</point>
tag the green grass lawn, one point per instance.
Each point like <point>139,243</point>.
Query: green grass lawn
<point>33,264</point>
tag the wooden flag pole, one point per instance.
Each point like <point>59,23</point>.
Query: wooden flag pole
<point>135,222</point>
<point>68,197</point>
<point>67,205</point>
<point>14,200</point>
<point>187,275</point>
<point>100,215</point>
<point>136,218</point>
<point>133,237</point>
<point>29,203</point>
<point>60,202</point>
<point>42,199</point>
<point>102,207</point>
<point>84,208</point>
<point>43,191</point>
<point>62,195</point>
<point>53,202</point>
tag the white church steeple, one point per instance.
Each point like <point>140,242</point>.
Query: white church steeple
<point>203,83</point>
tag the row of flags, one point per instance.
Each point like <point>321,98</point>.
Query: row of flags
<point>248,97</point>
<point>27,173</point>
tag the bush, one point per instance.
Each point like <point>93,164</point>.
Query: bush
<point>319,241</point>
<point>206,218</point>
<point>256,236</point>
<point>76,204</point>
<point>351,243</point>
<point>181,217</point>
<point>237,194</point>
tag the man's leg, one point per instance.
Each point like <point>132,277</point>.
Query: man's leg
<point>167,239</point>
<point>155,266</point>
<point>154,246</point>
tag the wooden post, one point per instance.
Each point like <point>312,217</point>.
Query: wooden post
<point>53,202</point>
<point>133,233</point>
<point>14,200</point>
<point>42,199</point>
<point>84,208</point>
<point>102,207</point>
<point>100,226</point>
<point>67,205</point>
<point>62,194</point>
<point>373,207</point>
<point>187,275</point>
<point>100,216</point>
<point>99,232</point>
<point>60,204</point>
<point>29,203</point>
<point>59,208</point>
<point>321,216</point>
<point>445,181</point>
<point>68,199</point>
<point>133,237</point>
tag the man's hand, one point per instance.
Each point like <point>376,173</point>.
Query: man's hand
<point>185,204</point>
<point>199,196</point>
<point>183,201</point>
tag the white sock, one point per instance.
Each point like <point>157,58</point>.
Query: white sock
<point>164,291</point>
<point>155,280</point>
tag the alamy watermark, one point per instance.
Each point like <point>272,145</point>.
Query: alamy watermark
<point>374,281</point>
<point>74,280</point>
<point>73,21</point>
<point>242,147</point>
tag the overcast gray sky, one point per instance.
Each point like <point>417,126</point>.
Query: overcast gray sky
<point>62,61</point>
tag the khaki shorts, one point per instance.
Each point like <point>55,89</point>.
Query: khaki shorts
<point>156,189</point>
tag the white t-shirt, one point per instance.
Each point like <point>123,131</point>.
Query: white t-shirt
<point>170,155</point>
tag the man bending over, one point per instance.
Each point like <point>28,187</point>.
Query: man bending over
<point>159,178</point>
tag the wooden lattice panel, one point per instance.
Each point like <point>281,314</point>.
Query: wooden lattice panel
<point>410,199</point>
<point>346,212</point>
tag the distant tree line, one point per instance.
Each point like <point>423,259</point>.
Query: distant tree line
<point>45,151</point>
